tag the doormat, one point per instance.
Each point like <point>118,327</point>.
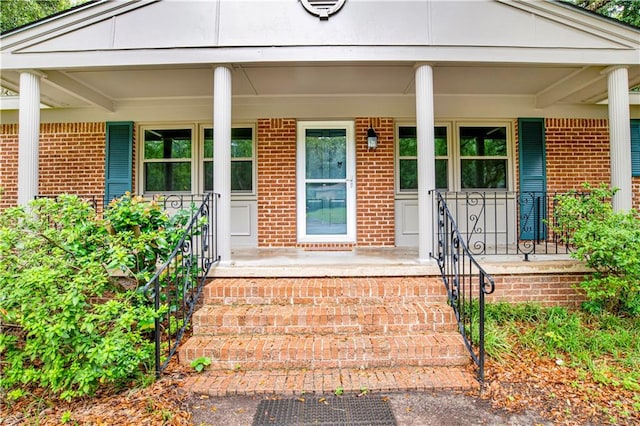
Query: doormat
<point>331,411</point>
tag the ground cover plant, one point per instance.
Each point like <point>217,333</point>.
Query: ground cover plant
<point>68,326</point>
<point>580,366</point>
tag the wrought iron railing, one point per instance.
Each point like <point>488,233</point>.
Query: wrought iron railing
<point>503,222</point>
<point>466,282</point>
<point>177,285</point>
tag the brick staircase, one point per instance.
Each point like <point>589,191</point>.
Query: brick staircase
<point>301,335</point>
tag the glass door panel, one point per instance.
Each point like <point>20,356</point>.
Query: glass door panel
<point>326,200</point>
<point>326,209</point>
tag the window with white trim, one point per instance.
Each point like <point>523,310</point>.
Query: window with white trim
<point>472,156</point>
<point>407,158</point>
<point>177,159</point>
<point>167,160</point>
<point>242,160</point>
<point>483,157</point>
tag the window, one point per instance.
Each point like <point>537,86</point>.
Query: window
<point>241,160</point>
<point>167,155</point>
<point>408,158</point>
<point>483,157</point>
<point>473,156</point>
<point>180,159</point>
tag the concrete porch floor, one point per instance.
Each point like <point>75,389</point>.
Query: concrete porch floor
<point>365,261</point>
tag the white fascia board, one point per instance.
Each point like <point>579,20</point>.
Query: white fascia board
<point>583,21</point>
<point>319,54</point>
<point>61,24</point>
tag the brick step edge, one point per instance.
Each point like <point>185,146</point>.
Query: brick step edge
<point>325,351</point>
<point>309,383</point>
<point>298,291</point>
<point>341,319</point>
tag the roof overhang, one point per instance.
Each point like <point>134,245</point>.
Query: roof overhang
<point>109,53</point>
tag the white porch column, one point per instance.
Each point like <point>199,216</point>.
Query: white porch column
<point>620,136</point>
<point>222,158</point>
<point>426,159</point>
<point>28,136</point>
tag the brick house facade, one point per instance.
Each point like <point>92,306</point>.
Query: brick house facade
<point>73,161</point>
<point>192,84</point>
<point>325,129</point>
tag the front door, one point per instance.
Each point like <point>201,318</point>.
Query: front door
<point>326,185</point>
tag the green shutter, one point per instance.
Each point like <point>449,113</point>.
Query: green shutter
<point>635,147</point>
<point>119,153</point>
<point>533,178</point>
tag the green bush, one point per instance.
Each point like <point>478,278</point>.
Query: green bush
<point>67,326</point>
<point>609,243</point>
<point>142,234</point>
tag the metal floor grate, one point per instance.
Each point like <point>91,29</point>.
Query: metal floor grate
<point>331,411</point>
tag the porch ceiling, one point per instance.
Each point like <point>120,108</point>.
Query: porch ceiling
<point>546,84</point>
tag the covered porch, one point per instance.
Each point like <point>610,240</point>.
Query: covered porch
<point>462,78</point>
<point>368,261</point>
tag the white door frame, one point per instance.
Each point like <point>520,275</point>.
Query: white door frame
<point>350,180</point>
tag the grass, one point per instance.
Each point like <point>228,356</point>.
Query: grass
<point>603,347</point>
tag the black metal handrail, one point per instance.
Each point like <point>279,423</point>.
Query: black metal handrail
<point>466,282</point>
<point>506,222</point>
<point>178,283</point>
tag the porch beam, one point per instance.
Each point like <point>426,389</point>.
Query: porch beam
<point>426,159</point>
<point>574,82</point>
<point>222,159</point>
<point>67,84</point>
<point>620,136</point>
<point>28,136</point>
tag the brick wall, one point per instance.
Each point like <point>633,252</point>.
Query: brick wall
<point>8,165</point>
<point>71,160</point>
<point>375,183</point>
<point>636,193</point>
<point>553,289</point>
<point>577,152</point>
<point>276,149</point>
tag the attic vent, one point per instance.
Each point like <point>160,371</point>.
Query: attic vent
<point>322,8</point>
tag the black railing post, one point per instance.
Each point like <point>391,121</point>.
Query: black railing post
<point>178,283</point>
<point>481,286</point>
<point>459,271</point>
<point>157,332</point>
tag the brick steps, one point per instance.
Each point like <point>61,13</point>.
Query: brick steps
<point>304,382</point>
<point>288,335</point>
<point>328,319</point>
<point>322,351</point>
<point>323,291</point>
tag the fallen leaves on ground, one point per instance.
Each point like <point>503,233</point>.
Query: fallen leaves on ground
<point>162,403</point>
<point>528,382</point>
